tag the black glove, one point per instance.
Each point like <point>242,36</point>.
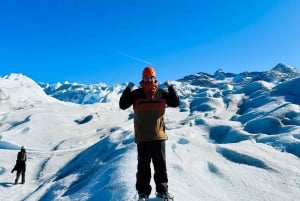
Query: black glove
<point>130,85</point>
<point>168,84</point>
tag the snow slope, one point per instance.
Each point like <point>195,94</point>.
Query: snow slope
<point>226,142</point>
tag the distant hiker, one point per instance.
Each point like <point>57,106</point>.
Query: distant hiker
<point>149,104</point>
<point>20,166</point>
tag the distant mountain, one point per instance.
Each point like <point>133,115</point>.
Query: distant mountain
<point>79,93</point>
<point>94,93</point>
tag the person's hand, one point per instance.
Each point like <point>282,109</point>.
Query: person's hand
<point>130,85</point>
<point>168,84</point>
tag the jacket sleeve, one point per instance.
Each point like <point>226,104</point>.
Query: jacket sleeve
<point>126,99</point>
<point>172,98</point>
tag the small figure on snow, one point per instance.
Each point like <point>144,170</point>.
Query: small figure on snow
<point>149,104</point>
<point>20,165</point>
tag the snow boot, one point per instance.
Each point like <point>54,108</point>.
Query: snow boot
<point>143,197</point>
<point>165,196</point>
<point>17,178</point>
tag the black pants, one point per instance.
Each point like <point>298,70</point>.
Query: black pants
<point>21,171</point>
<point>155,151</point>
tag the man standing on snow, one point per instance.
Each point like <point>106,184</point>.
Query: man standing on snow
<point>149,104</point>
<point>20,166</point>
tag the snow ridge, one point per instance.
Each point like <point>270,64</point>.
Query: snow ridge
<point>234,137</point>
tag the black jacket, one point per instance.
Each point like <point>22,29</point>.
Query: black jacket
<point>20,162</point>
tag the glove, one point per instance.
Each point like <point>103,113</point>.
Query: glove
<point>168,84</point>
<point>130,85</point>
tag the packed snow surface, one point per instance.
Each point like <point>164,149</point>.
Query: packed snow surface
<point>227,142</point>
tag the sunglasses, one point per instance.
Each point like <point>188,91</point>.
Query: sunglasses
<point>149,79</point>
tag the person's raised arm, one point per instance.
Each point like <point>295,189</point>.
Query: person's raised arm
<point>173,98</point>
<point>126,99</point>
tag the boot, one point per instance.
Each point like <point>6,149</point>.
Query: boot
<point>143,197</point>
<point>17,178</point>
<point>165,196</point>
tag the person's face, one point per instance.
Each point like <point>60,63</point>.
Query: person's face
<point>149,79</point>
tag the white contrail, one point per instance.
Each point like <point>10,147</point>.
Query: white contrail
<point>130,56</point>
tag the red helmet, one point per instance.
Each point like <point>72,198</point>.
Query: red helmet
<point>149,71</point>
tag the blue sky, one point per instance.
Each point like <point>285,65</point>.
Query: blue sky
<point>90,41</point>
